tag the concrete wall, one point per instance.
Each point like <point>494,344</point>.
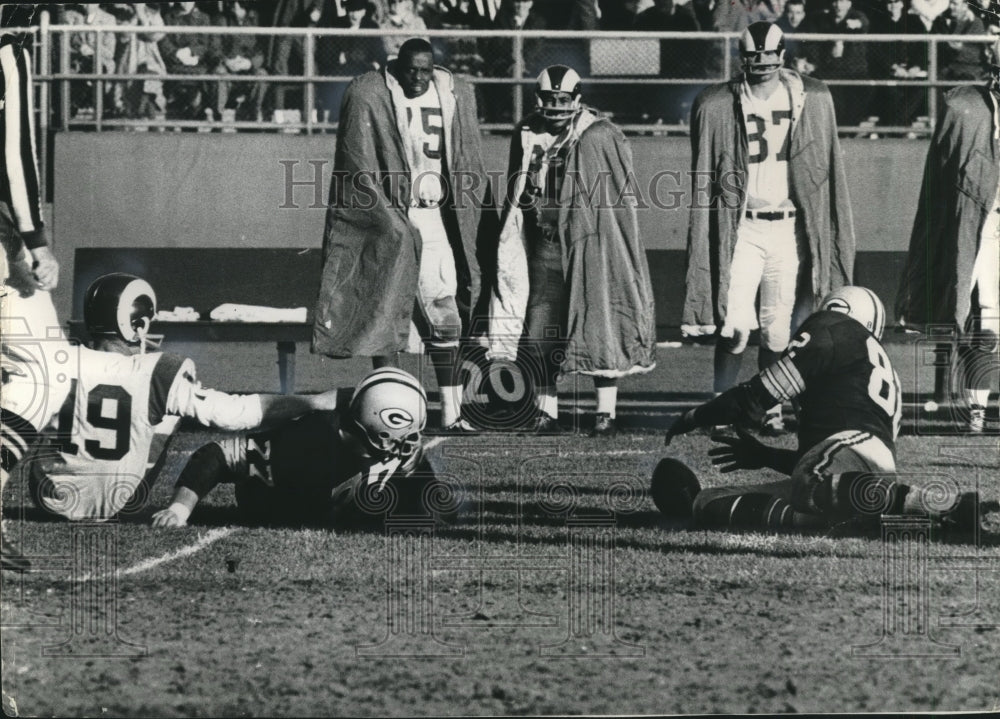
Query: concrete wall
<point>128,189</point>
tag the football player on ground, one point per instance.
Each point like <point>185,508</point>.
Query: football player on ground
<point>91,460</point>
<point>850,409</point>
<point>776,216</point>
<point>345,468</point>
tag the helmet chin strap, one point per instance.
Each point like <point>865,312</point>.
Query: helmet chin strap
<point>147,340</point>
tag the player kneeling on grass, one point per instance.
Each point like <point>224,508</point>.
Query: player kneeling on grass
<point>345,468</point>
<point>97,448</point>
<point>850,409</point>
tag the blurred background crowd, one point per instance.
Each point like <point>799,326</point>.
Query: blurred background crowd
<point>244,59</point>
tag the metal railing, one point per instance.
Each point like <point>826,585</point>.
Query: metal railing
<point>55,75</point>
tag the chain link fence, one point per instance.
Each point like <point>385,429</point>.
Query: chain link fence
<point>293,80</point>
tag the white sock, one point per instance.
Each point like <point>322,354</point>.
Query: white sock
<point>775,411</point>
<point>548,402</point>
<point>607,398</point>
<point>451,404</point>
<point>980,397</point>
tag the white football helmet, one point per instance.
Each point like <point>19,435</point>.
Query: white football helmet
<point>762,50</point>
<point>552,81</point>
<point>859,303</point>
<point>388,411</point>
<point>122,306</point>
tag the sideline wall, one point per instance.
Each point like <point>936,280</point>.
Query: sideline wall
<point>128,189</point>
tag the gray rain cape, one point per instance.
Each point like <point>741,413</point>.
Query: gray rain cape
<point>610,322</point>
<point>371,251</point>
<point>958,191</point>
<point>817,185</point>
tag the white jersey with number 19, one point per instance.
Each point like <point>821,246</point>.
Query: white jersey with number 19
<point>108,426</point>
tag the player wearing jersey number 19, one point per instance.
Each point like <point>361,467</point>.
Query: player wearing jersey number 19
<point>93,457</point>
<point>844,467</point>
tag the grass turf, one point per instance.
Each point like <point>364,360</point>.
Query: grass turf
<point>537,601</point>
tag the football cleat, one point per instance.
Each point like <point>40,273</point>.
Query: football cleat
<point>461,427</point>
<point>11,558</point>
<point>977,419</point>
<point>121,306</point>
<point>773,425</point>
<point>546,424</point>
<point>604,426</point>
<point>673,488</point>
<point>762,50</point>
<point>387,413</point>
<point>858,303</point>
<point>557,93</point>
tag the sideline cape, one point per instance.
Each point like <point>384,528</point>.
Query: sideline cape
<point>959,188</point>
<point>610,320</point>
<point>371,251</point>
<point>817,185</point>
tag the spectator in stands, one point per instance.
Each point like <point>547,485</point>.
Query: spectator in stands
<point>286,54</point>
<point>797,52</point>
<point>959,60</point>
<point>351,55</point>
<point>189,54</point>
<point>497,105</point>
<point>899,105</point>
<point>140,54</point>
<point>678,58</point>
<point>620,14</point>
<point>989,12</point>
<point>845,60</point>
<point>928,10</point>
<point>763,11</point>
<point>241,55</point>
<point>401,17</point>
<point>83,51</point>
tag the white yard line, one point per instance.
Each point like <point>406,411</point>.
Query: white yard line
<point>147,564</point>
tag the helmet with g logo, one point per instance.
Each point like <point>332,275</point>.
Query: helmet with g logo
<point>388,411</point>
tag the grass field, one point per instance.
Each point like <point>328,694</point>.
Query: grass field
<point>560,589</point>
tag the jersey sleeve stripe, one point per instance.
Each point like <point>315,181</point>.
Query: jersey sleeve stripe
<point>18,140</point>
<point>168,366</point>
<point>783,380</point>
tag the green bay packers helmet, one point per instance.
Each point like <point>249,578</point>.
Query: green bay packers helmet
<point>858,303</point>
<point>762,50</point>
<point>388,411</point>
<point>119,305</point>
<point>557,92</point>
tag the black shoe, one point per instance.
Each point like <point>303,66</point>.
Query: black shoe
<point>461,427</point>
<point>604,426</point>
<point>965,516</point>
<point>11,558</point>
<point>773,425</point>
<point>546,424</point>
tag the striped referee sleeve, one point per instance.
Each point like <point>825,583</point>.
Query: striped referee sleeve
<point>17,140</point>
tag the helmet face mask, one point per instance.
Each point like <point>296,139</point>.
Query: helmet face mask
<point>387,414</point>
<point>762,51</point>
<point>557,94</point>
<point>121,306</point>
<point>860,304</point>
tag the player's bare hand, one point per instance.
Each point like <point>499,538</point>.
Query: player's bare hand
<point>167,518</point>
<point>740,452</point>
<point>45,267</point>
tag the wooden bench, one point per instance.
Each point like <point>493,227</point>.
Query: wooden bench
<point>205,278</point>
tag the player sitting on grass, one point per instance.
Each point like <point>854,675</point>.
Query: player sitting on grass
<point>345,468</point>
<point>849,416</point>
<point>100,439</point>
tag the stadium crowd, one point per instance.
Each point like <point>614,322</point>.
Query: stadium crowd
<point>247,58</point>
